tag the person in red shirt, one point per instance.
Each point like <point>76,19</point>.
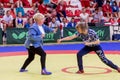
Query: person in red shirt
<point>107,9</point>
<point>61,8</point>
<point>26,3</point>
<point>43,9</point>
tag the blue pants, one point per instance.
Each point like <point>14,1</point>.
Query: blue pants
<point>98,51</point>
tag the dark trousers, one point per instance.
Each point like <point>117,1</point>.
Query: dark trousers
<point>31,54</point>
<point>58,15</point>
<point>98,51</point>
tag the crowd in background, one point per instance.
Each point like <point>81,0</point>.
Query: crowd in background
<point>93,12</point>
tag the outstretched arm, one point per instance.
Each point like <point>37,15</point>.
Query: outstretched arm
<point>67,38</point>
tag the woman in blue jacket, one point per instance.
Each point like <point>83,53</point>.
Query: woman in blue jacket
<point>34,42</point>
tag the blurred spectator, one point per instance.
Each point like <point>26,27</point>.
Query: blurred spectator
<point>63,24</point>
<point>116,21</point>
<point>72,23</point>
<point>53,3</point>
<point>113,20</point>
<point>7,21</point>
<point>61,8</point>
<point>118,1</point>
<point>101,16</point>
<point>19,7</point>
<point>30,13</point>
<point>99,3</point>
<point>98,15</point>
<point>115,9</point>
<point>19,20</point>
<point>43,9</point>
<point>47,21</point>
<point>100,12</point>
<point>35,6</point>
<point>29,23</point>
<point>25,3</point>
<point>107,9</point>
<point>54,24</point>
<point>12,12</point>
<point>89,11</point>
<point>2,11</point>
<point>84,17</point>
<point>93,4</point>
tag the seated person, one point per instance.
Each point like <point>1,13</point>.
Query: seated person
<point>25,3</point>
<point>53,4</point>
<point>61,10</point>
<point>7,21</point>
<point>54,24</point>
<point>19,7</point>
<point>84,16</point>
<point>63,24</point>
<point>72,23</point>
<point>29,23</point>
<point>43,9</point>
<point>107,9</point>
<point>19,21</point>
<point>115,9</point>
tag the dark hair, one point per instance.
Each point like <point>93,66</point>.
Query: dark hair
<point>72,18</point>
<point>108,2</point>
<point>115,3</point>
<point>7,11</point>
<point>83,26</point>
<point>41,1</point>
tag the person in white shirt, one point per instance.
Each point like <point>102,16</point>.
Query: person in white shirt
<point>54,24</point>
<point>63,24</point>
<point>7,20</point>
<point>84,17</point>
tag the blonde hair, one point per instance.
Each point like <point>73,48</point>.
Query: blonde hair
<point>82,25</point>
<point>38,16</point>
